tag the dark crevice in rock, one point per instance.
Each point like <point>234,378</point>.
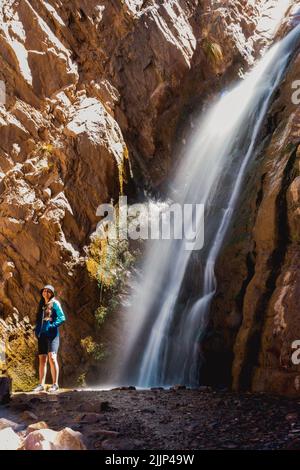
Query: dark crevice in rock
<point>260,192</point>
<point>250,263</point>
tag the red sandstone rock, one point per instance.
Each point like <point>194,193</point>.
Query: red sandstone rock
<point>81,82</point>
<point>67,439</point>
<point>42,439</point>
<point>36,427</point>
<point>262,262</point>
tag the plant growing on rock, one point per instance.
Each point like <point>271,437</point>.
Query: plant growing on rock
<point>100,314</point>
<point>212,49</point>
<point>46,148</point>
<point>81,380</point>
<point>109,262</point>
<point>91,348</point>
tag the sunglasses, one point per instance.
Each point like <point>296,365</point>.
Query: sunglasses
<point>48,291</point>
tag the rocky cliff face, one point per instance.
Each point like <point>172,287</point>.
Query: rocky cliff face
<point>256,312</point>
<point>88,83</point>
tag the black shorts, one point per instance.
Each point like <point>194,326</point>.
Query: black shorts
<point>47,345</point>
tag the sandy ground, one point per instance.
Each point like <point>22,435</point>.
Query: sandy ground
<point>174,419</point>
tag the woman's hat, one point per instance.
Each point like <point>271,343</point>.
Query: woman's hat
<point>49,287</point>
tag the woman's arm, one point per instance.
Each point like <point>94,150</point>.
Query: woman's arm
<point>60,316</point>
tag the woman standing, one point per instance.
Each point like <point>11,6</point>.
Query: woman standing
<point>49,317</point>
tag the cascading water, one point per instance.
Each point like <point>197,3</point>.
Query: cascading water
<point>161,347</point>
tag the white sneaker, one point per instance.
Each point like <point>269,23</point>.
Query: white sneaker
<point>53,388</point>
<point>39,388</point>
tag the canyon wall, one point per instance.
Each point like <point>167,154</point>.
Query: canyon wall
<point>95,93</point>
<point>255,317</point>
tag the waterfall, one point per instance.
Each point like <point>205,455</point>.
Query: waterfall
<point>164,324</point>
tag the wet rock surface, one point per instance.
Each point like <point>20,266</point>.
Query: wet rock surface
<point>255,312</point>
<point>158,419</point>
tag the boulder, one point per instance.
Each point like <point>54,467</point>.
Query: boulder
<point>36,427</point>
<point>47,439</point>
<point>9,440</point>
<point>41,439</point>
<point>67,439</point>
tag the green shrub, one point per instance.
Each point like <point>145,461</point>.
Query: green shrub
<point>213,51</point>
<point>108,261</point>
<point>100,314</point>
<point>81,381</point>
<point>93,349</point>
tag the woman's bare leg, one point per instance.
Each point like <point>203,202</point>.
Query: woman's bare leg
<point>42,368</point>
<point>54,367</point>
